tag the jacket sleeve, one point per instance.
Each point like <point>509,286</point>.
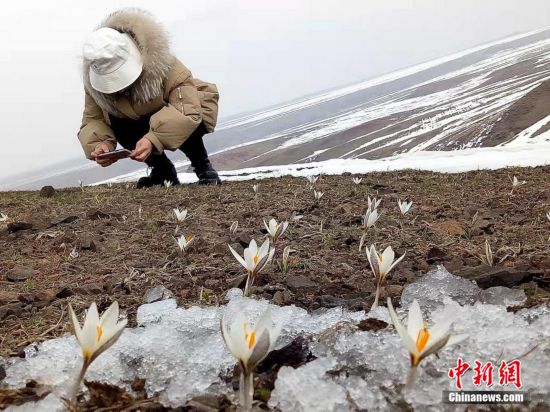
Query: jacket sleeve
<point>178,119</point>
<point>94,130</point>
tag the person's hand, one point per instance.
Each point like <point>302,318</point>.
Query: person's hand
<point>144,148</point>
<point>102,148</point>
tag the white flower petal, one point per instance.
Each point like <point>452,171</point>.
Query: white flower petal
<point>109,319</point>
<point>237,256</point>
<point>89,330</point>
<point>414,321</point>
<point>394,264</point>
<point>76,325</point>
<point>409,344</point>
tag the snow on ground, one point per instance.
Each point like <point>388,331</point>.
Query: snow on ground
<point>532,152</point>
<point>181,354</point>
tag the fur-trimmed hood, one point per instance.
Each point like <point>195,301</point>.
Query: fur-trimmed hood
<point>152,40</point>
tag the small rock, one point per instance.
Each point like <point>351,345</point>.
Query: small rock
<point>157,293</point>
<point>294,354</point>
<point>300,282</point>
<point>243,240</point>
<point>26,298</point>
<point>47,191</point>
<point>13,309</point>
<point>90,289</point>
<point>19,226</point>
<point>95,214</point>
<point>220,249</point>
<point>487,276</point>
<point>327,301</point>
<point>86,243</point>
<point>483,226</point>
<point>372,324</point>
<point>20,274</point>
<point>278,298</point>
<point>435,255</point>
<point>46,295</point>
<point>393,291</point>
<point>454,265</point>
<point>60,220</point>
<point>347,267</point>
<point>282,298</point>
<point>64,293</point>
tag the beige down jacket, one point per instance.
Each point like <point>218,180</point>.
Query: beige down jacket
<point>166,90</point>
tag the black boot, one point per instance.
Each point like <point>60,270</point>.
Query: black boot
<point>198,156</point>
<point>128,132</point>
<point>163,170</point>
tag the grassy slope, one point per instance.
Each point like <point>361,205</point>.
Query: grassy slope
<point>132,253</point>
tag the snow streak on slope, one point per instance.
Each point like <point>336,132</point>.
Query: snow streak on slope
<point>535,154</point>
<point>452,110</point>
<point>333,94</point>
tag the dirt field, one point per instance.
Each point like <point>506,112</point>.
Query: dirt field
<point>122,253</point>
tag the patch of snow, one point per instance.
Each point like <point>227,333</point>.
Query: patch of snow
<point>526,137</point>
<point>457,161</point>
<point>181,354</point>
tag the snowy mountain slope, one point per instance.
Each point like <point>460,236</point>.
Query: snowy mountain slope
<point>481,97</point>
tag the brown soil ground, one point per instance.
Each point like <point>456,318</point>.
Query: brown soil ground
<point>122,254</point>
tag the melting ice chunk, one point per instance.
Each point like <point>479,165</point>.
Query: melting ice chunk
<point>438,284</point>
<point>308,388</point>
<point>181,354</point>
<point>499,295</point>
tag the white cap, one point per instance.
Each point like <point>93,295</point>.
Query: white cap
<point>116,61</point>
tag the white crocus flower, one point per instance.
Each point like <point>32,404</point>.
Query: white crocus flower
<point>96,335</point>
<point>254,261</point>
<point>373,203</point>
<point>167,184</point>
<point>381,264</point>
<point>184,242</point>
<point>404,207</point>
<point>3,217</point>
<point>357,180</point>
<point>249,344</point>
<point>516,182</point>
<point>275,230</point>
<point>312,179</point>
<point>255,188</point>
<point>547,215</point>
<point>370,218</point>
<point>417,338</point>
<point>181,215</point>
<point>317,195</point>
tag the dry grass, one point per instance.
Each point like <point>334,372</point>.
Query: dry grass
<point>452,215</point>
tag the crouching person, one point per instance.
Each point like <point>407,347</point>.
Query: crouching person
<point>139,95</point>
